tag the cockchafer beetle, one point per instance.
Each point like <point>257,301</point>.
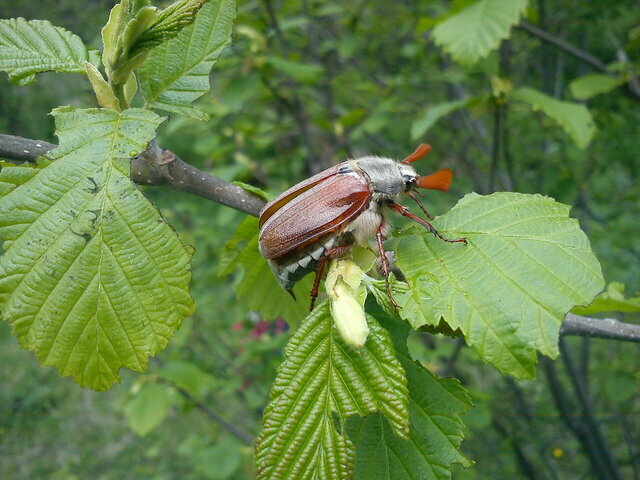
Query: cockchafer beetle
<point>321,217</point>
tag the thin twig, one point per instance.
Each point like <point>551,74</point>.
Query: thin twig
<point>567,412</point>
<point>633,89</point>
<point>608,328</point>
<point>586,57</point>
<point>230,427</point>
<point>588,420</point>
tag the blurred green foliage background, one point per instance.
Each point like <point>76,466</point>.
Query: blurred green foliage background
<point>305,85</point>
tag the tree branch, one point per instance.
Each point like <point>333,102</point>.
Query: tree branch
<point>155,167</point>
<point>565,46</point>
<point>576,52</point>
<point>244,437</point>
<point>600,328</point>
<point>587,415</point>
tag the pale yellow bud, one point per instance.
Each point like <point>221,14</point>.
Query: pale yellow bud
<point>347,296</point>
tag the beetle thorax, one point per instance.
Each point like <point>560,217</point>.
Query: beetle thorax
<point>387,178</point>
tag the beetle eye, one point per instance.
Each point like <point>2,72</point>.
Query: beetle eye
<point>409,181</point>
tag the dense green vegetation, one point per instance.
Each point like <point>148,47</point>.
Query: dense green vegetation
<point>544,101</point>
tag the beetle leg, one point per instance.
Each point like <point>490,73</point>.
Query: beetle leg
<point>415,199</point>
<point>405,212</point>
<point>316,282</point>
<point>329,254</point>
<point>384,261</point>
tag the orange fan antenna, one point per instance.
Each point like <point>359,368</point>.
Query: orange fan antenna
<point>440,180</point>
<point>420,152</point>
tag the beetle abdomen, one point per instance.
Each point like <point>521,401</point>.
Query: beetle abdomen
<point>289,270</point>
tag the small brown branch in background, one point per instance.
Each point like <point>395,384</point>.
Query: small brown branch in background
<point>585,57</point>
<point>600,328</point>
<point>18,149</point>
<point>573,420</point>
<point>632,89</point>
<point>587,413</point>
<point>228,426</point>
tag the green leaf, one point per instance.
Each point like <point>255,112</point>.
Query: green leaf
<point>148,408</point>
<point>321,383</point>
<point>574,118</point>
<point>475,31</point>
<point>593,84</point>
<point>12,175</point>
<point>432,115</point>
<point>167,24</point>
<point>258,192</point>
<point>104,94</point>
<point>611,300</point>
<point>258,287</point>
<point>526,265</point>
<point>36,46</point>
<point>123,72</point>
<point>130,89</point>
<point>379,290</point>
<point>259,290</point>
<point>112,35</point>
<point>219,461</point>
<point>177,72</point>
<point>187,376</point>
<point>301,72</point>
<point>435,427</point>
<point>92,278</point>
<point>135,28</point>
<point>247,229</point>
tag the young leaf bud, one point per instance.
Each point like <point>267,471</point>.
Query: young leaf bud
<point>347,295</point>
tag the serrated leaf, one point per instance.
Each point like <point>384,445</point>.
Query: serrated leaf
<point>432,115</point>
<point>588,86</point>
<point>320,384</point>
<point>612,299</point>
<point>148,408</point>
<point>526,265</point>
<point>36,46</point>
<point>475,31</point>
<point>177,72</point>
<point>435,427</point>
<point>93,279</point>
<point>574,118</point>
<point>167,25</point>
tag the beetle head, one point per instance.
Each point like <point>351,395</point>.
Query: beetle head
<point>390,178</point>
<point>387,177</point>
<point>440,180</point>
